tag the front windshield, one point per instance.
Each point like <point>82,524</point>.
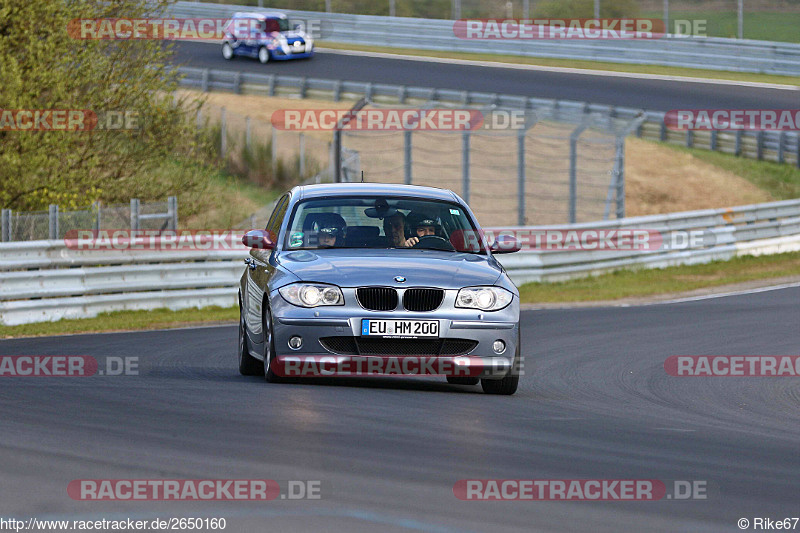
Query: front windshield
<point>383,223</point>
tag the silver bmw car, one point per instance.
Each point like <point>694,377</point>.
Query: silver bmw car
<point>352,278</point>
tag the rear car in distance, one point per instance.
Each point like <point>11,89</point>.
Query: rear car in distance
<point>364,270</point>
<point>266,37</point>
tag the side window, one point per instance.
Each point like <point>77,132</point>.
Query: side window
<point>274,224</point>
<point>272,25</point>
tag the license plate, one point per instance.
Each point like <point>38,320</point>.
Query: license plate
<point>298,49</point>
<point>400,328</point>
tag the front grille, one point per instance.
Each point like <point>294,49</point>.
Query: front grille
<point>422,299</point>
<point>376,346</point>
<point>377,298</point>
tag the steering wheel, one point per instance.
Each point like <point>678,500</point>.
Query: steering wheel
<point>434,242</point>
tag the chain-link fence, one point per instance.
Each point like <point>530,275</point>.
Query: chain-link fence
<point>56,224</point>
<point>563,167</point>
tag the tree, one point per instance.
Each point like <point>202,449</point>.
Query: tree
<point>42,67</point>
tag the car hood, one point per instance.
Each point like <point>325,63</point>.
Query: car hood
<point>360,267</point>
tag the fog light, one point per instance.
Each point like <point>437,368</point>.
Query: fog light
<point>295,343</point>
<point>499,346</point>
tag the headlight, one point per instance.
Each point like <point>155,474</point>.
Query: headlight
<point>312,294</point>
<point>484,298</point>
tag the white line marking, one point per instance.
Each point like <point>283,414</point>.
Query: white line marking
<point>676,429</point>
<point>565,70</point>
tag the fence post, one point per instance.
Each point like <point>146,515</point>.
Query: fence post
<point>172,211</point>
<point>247,132</point>
<point>134,213</point>
<point>713,143</point>
<point>760,145</point>
<point>97,218</point>
<point>302,168</point>
<point>223,137</point>
<point>5,225</point>
<point>407,161</point>
<point>465,166</point>
<point>689,138</point>
<point>204,82</point>
<point>521,177</point>
<point>781,142</point>
<point>620,177</point>
<point>573,171</point>
<point>53,216</point>
<point>274,144</point>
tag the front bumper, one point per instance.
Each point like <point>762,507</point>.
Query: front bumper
<point>458,325</point>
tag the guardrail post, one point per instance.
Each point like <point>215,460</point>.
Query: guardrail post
<point>663,133</point>
<point>337,90</point>
<point>53,218</point>
<point>434,96</point>
<point>465,166</point>
<point>237,82</point>
<point>760,145</point>
<point>401,94</point>
<point>172,212</point>
<point>271,85</point>
<point>737,150</point>
<point>5,225</point>
<point>713,142</point>
<point>465,98</point>
<point>689,138</point>
<point>368,91</point>
<point>223,136</point>
<point>407,157</point>
<point>781,142</point>
<point>204,81</point>
<point>521,177</point>
<point>303,87</point>
<point>134,213</point>
<point>98,208</point>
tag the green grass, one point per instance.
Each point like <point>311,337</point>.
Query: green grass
<point>781,180</point>
<point>647,282</point>
<point>579,64</point>
<point>762,26</point>
<point>125,321</point>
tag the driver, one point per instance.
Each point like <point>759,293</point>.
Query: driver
<point>394,228</point>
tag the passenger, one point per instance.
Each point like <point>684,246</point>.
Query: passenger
<point>331,231</point>
<point>395,229</point>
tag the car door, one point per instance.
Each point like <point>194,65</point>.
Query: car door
<point>259,273</point>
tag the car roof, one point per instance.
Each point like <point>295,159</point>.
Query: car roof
<point>369,189</point>
<point>259,16</point>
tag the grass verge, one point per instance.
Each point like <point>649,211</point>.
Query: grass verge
<point>648,282</point>
<point>579,64</point>
<point>125,321</point>
<point>781,180</point>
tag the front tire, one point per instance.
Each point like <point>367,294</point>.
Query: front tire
<point>227,52</point>
<point>248,365</point>
<point>269,349</point>
<point>507,385</point>
<point>263,55</point>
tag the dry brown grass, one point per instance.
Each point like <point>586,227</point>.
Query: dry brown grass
<point>658,179</point>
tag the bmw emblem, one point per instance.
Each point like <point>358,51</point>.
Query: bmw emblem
<point>400,279</point>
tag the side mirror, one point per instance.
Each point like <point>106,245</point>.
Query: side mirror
<point>258,238</point>
<point>505,244</point>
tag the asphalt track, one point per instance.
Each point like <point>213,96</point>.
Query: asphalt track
<point>595,403</point>
<point>657,95</point>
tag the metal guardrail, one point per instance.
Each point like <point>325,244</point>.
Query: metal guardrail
<point>46,280</point>
<point>781,147</point>
<point>431,34</point>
